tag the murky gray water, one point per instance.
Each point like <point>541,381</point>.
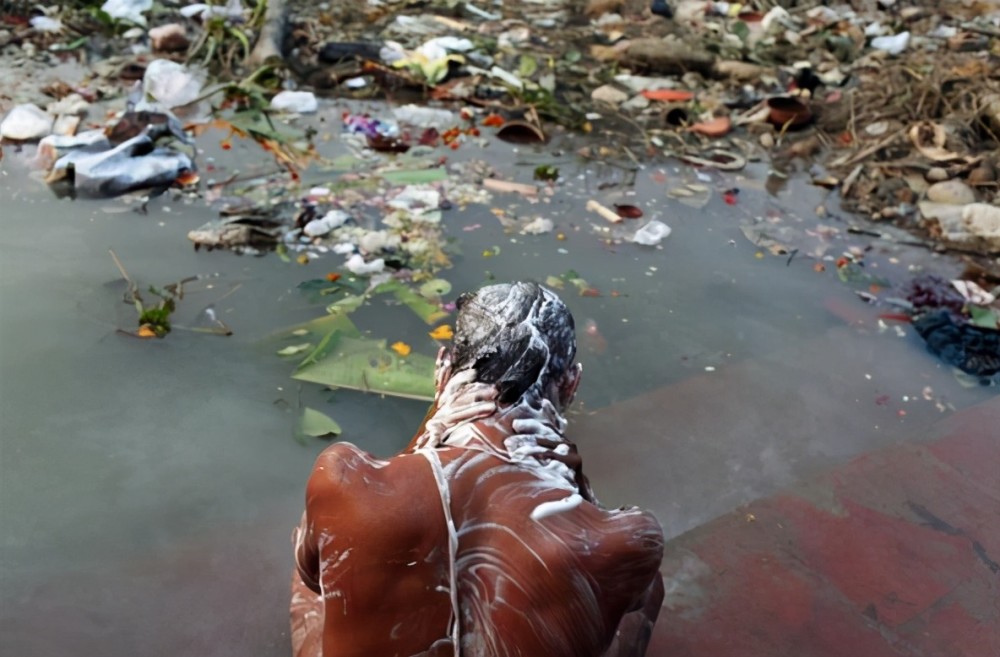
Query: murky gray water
<point>149,487</point>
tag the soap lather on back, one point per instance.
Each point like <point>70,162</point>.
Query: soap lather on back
<point>483,537</point>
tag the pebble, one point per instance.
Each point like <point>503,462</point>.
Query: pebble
<point>169,38</point>
<point>300,102</point>
<point>26,122</point>
<point>982,175</point>
<point>609,94</point>
<point>953,192</point>
<point>936,174</point>
<point>636,103</point>
<point>983,221</point>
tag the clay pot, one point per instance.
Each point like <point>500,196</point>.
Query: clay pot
<point>521,132</point>
<point>676,116</point>
<point>784,110</point>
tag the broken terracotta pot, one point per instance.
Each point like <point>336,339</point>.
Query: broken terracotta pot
<point>521,132</point>
<point>785,110</point>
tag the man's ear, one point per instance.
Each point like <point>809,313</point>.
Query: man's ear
<point>568,385</point>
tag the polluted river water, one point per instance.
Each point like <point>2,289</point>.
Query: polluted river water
<point>149,487</point>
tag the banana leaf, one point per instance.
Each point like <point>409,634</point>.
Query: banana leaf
<point>431,313</point>
<point>369,365</point>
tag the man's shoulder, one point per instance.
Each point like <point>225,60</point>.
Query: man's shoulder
<point>344,473</point>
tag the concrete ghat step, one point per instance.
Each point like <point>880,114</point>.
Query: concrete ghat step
<point>896,552</point>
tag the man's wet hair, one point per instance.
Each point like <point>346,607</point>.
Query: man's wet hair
<point>519,336</point>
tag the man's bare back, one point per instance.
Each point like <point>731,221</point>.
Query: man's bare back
<point>481,539</point>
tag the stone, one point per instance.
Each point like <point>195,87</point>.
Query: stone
<point>171,37</point>
<point>26,123</point>
<point>983,221</point>
<point>636,103</point>
<point>609,94</point>
<point>984,174</point>
<point>300,102</point>
<point>937,174</point>
<point>953,192</point>
<point>973,227</point>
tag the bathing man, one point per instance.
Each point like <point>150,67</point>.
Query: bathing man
<point>482,538</point>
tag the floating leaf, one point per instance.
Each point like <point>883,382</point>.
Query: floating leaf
<point>424,309</point>
<point>442,332</point>
<point>370,366</point>
<point>546,172</point>
<point>293,349</point>
<point>401,348</point>
<point>316,424</point>
<point>347,305</point>
<point>317,288</point>
<point>323,326</point>
<point>435,288</point>
<point>415,176</point>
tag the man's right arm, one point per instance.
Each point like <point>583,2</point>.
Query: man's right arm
<point>307,554</point>
<point>323,490</point>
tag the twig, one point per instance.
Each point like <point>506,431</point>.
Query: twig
<point>852,125</point>
<point>862,154</point>
<point>121,268</point>
<point>981,29</point>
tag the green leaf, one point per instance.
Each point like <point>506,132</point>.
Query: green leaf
<point>316,288</point>
<point>72,45</point>
<point>984,317</point>
<point>294,349</point>
<point>255,123</point>
<point>322,349</point>
<point>242,38</point>
<point>415,176</point>
<point>369,366</point>
<point>740,29</point>
<point>526,66</point>
<point>436,288</point>
<point>322,326</point>
<point>429,312</point>
<point>316,424</point>
<point>347,305</point>
<point>573,56</point>
<point>546,172</point>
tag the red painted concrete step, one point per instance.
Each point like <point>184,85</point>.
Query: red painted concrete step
<point>896,553</point>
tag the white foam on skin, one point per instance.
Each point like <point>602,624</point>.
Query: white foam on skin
<point>466,410</point>
<point>546,509</point>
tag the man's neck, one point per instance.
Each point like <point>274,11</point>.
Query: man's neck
<point>529,431</point>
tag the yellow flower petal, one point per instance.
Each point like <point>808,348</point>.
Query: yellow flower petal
<point>442,332</point>
<point>401,348</point>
